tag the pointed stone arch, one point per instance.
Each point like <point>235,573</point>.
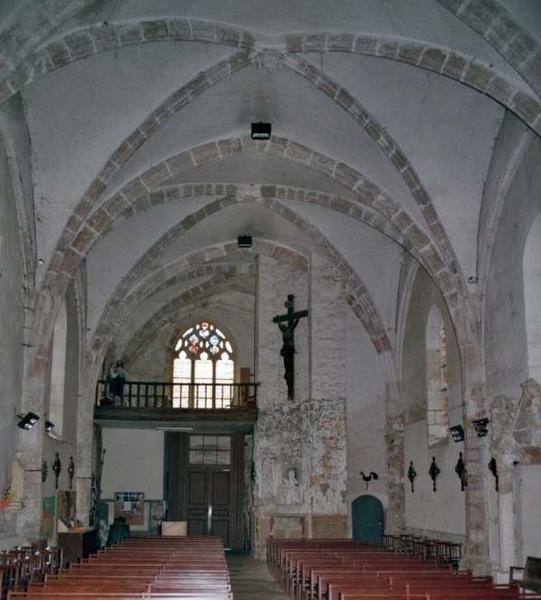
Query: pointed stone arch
<point>86,41</point>
<point>357,295</point>
<point>496,25</point>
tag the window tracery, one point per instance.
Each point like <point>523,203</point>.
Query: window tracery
<point>203,356</point>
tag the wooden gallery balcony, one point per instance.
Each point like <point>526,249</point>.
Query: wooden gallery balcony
<point>211,406</point>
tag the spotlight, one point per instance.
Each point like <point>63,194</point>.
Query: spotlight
<point>27,421</point>
<point>481,427</point>
<point>261,131</point>
<point>49,426</point>
<point>457,433</point>
<point>244,241</point>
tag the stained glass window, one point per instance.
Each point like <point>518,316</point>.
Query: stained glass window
<point>203,356</point>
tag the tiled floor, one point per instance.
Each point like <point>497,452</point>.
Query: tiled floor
<point>251,580</point>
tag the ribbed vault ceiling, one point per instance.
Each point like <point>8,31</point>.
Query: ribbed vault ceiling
<point>138,118</point>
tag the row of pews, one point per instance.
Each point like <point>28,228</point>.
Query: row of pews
<point>21,566</point>
<point>174,568</point>
<point>423,547</point>
<point>345,569</point>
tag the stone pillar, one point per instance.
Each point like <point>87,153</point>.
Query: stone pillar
<point>327,331</point>
<point>275,280</point>
<point>475,454</point>
<point>31,445</point>
<point>279,441</point>
<point>395,520</point>
<point>300,445</point>
<point>328,479</point>
<point>513,429</point>
<point>507,519</point>
<point>83,473</point>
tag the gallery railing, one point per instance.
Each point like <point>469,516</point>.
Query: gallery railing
<point>157,394</point>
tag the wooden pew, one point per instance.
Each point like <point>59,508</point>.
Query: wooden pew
<point>342,570</point>
<point>183,568</point>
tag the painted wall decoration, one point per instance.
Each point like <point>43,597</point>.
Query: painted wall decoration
<point>65,507</point>
<point>47,518</point>
<point>131,506</point>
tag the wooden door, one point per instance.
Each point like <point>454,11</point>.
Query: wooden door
<point>209,507</point>
<point>367,519</point>
<point>205,484</point>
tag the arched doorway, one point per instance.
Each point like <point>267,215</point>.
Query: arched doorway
<point>367,519</point>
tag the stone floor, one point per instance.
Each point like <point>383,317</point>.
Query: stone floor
<point>250,579</point>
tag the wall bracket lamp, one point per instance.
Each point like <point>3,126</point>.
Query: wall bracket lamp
<point>481,427</point>
<point>457,433</point>
<point>27,421</point>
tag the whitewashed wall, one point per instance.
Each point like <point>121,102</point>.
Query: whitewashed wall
<point>133,462</point>
<point>365,415</point>
<point>427,511</point>
<point>12,322</point>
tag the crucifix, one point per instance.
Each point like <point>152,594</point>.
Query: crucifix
<point>287,324</point>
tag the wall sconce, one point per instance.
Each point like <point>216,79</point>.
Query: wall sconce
<point>481,427</point>
<point>49,426</point>
<point>27,421</point>
<point>457,433</point>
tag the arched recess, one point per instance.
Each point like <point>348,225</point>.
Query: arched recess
<point>532,297</point>
<point>437,385</point>
<point>426,309</point>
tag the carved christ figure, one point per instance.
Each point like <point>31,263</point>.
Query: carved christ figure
<point>287,324</point>
<point>287,353</point>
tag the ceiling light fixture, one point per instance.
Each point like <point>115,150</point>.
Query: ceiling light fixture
<point>244,241</point>
<point>261,131</point>
<point>49,426</point>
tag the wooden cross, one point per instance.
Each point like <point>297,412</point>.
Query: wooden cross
<point>287,324</point>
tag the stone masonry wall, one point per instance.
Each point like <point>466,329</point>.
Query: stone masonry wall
<point>300,444</point>
<point>12,314</point>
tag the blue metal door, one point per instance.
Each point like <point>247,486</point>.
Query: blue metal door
<point>367,518</point>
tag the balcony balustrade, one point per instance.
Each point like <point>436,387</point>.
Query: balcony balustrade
<point>172,395</point>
